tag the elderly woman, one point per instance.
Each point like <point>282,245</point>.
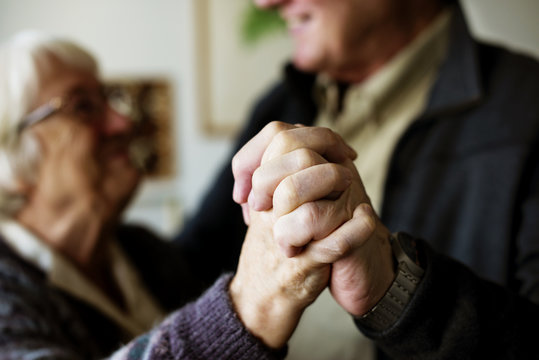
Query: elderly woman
<point>75,283</point>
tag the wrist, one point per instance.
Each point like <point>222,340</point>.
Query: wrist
<point>408,276</point>
<point>387,270</point>
<point>270,318</point>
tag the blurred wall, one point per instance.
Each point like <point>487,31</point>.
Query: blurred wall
<point>511,23</point>
<point>139,38</point>
<point>157,37</point>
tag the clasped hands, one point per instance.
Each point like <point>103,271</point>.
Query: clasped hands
<point>310,225</point>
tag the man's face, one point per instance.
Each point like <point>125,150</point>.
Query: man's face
<point>328,33</point>
<point>85,144</point>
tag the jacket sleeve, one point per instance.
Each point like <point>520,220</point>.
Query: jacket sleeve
<point>37,322</point>
<point>455,314</point>
<point>205,329</point>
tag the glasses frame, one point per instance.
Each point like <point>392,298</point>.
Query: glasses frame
<point>44,111</point>
<point>57,104</point>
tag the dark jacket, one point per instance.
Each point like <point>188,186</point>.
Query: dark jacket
<point>465,178</point>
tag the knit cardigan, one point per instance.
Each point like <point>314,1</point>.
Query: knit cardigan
<point>38,321</point>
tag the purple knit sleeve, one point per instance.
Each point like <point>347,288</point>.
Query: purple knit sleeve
<point>205,329</point>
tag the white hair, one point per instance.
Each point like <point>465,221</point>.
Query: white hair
<point>24,60</point>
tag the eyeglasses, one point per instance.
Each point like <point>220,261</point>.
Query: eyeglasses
<point>88,107</point>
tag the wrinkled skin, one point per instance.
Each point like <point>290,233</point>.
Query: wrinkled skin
<point>315,220</point>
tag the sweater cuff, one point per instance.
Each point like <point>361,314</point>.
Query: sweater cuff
<point>212,329</point>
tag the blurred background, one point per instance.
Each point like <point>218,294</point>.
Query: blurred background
<point>208,60</point>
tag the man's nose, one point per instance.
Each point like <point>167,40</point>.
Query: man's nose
<point>115,123</point>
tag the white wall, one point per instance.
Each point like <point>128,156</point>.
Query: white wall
<point>155,37</point>
<point>514,23</point>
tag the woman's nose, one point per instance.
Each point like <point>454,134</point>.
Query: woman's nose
<point>115,123</point>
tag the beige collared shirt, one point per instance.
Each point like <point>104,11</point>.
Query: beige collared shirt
<point>141,311</point>
<point>376,112</point>
<point>373,116</point>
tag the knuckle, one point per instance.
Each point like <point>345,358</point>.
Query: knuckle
<point>281,140</point>
<point>257,180</point>
<point>286,235</point>
<point>279,232</point>
<point>235,164</point>
<point>367,223</point>
<point>327,131</point>
<point>335,137</point>
<point>305,158</point>
<point>275,127</point>
<point>286,192</point>
<point>333,171</point>
<point>307,215</point>
<point>354,198</point>
<point>329,135</point>
<point>283,242</point>
<point>342,244</point>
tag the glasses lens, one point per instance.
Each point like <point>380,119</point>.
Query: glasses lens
<point>121,102</point>
<point>86,106</point>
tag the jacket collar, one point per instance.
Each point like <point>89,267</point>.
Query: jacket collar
<point>301,86</point>
<point>459,82</point>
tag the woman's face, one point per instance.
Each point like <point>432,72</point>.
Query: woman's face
<point>85,145</point>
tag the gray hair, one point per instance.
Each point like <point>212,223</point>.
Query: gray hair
<point>24,60</point>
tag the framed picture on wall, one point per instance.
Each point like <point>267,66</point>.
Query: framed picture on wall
<point>231,72</point>
<point>149,105</point>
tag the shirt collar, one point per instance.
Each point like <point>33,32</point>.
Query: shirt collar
<point>142,310</point>
<point>27,246</point>
<point>459,84</point>
<point>371,97</point>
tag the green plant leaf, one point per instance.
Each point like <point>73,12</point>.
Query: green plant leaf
<point>259,24</point>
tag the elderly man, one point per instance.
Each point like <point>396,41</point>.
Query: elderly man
<point>447,131</point>
<point>75,283</point>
